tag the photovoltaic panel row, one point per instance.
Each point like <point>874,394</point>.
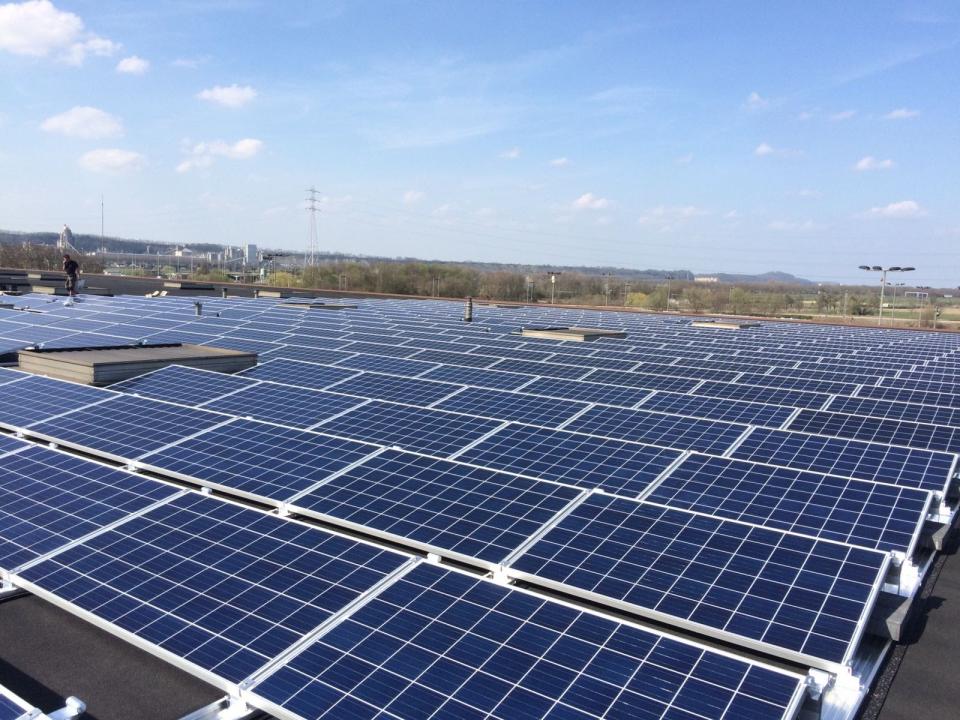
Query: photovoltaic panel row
<point>858,512</point>
<point>928,385</point>
<point>900,466</point>
<point>13,707</point>
<point>674,431</point>
<point>793,596</point>
<point>770,396</point>
<point>542,369</point>
<point>36,398</point>
<point>641,380</point>
<point>125,427</point>
<point>480,377</point>
<point>897,394</point>
<point>659,368</point>
<point>890,410</point>
<point>515,406</point>
<point>436,432</point>
<point>296,372</point>
<point>293,406</point>
<point>806,385</point>
<point>474,513</point>
<point>222,587</point>
<point>48,499</point>
<point>616,466</point>
<point>189,386</point>
<point>442,644</point>
<point>718,409</point>
<point>896,432</point>
<point>384,364</point>
<point>8,443</point>
<point>617,395</point>
<point>260,460</point>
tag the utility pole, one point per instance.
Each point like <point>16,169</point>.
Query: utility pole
<point>313,244</point>
<point>553,285</point>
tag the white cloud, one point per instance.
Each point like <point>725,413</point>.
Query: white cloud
<point>38,29</point>
<point>766,150</point>
<point>755,102</point>
<point>843,115</point>
<point>589,201</point>
<point>133,65</point>
<point>231,96</point>
<point>412,197</point>
<point>85,122</point>
<point>112,160</point>
<point>901,114</point>
<point>869,162</point>
<point>685,159</point>
<point>902,209</point>
<point>560,162</point>
<point>203,154</point>
<point>511,154</point>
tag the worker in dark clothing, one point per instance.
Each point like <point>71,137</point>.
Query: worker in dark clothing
<point>72,269</point>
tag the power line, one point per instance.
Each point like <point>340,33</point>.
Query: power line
<point>313,243</point>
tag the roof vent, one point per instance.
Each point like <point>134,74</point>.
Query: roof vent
<point>577,334</point>
<point>723,324</point>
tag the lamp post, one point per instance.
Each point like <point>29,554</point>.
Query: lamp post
<point>553,284</point>
<point>921,296</point>
<point>669,278</point>
<point>883,281</point>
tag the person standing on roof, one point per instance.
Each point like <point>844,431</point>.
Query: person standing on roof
<point>72,269</point>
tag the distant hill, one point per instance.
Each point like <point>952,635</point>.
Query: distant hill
<point>91,243</point>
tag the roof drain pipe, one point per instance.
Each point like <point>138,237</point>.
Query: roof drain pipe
<point>468,310</point>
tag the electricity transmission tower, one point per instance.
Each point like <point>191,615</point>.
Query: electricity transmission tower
<point>313,244</point>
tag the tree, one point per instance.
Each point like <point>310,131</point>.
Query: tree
<point>698,298</point>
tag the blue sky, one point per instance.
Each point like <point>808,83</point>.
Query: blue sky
<point>713,136</point>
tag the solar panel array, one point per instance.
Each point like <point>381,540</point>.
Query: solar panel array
<point>746,486</point>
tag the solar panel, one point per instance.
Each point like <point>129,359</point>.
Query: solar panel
<point>394,350</point>
<point>793,596</point>
<point>395,389</point>
<point>904,467</point>
<point>260,460</point>
<point>871,515</point>
<point>718,409</point>
<point>435,432</point>
<point>13,707</point>
<point>543,369</point>
<point>456,358</point>
<point>321,356</point>
<point>805,384</point>
<point>449,646</point>
<point>10,444</point>
<point>518,407</point>
<point>294,406</point>
<point>910,396</point>
<point>242,344</point>
<point>755,393</point>
<point>478,377</point>
<point>295,372</point>
<point>37,398</point>
<point>674,431</point>
<point>7,375</point>
<point>587,391</point>
<point>48,499</point>
<point>642,380</point>
<point>220,586</point>
<point>589,462</point>
<point>396,366</point>
<point>659,368</point>
<point>897,432</point>
<point>473,513</point>
<point>186,385</point>
<point>895,410</point>
<point>125,427</point>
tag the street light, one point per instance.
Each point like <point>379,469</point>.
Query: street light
<point>883,281</point>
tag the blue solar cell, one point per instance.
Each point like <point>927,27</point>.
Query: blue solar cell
<point>587,391</point>
<point>474,512</point>
<point>543,369</point>
<point>258,346</point>
<point>189,386</point>
<point>218,585</point>
<point>321,356</point>
<point>262,460</point>
<point>515,406</point>
<point>805,384</point>
<point>295,372</point>
<point>294,406</point>
<point>13,707</point>
<point>392,350</point>
<point>9,444</point>
<point>905,467</point>
<point>948,400</point>
<point>896,432</point>
<point>7,375</point>
<point>457,358</point>
<point>396,389</point>
<point>48,499</point>
<point>431,431</point>
<point>37,398</point>
<point>449,646</point>
<point>126,427</point>
<point>890,410</point>
<point>613,465</point>
<point>683,433</point>
<point>881,517</point>
<point>478,377</point>
<point>802,598</point>
<point>660,368</point>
